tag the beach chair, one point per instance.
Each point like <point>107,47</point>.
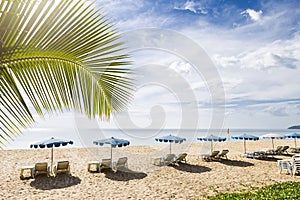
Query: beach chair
<point>61,167</point>
<point>168,160</point>
<point>295,165</point>
<point>209,157</point>
<point>122,162</point>
<point>105,164</point>
<point>181,158</point>
<point>284,164</point>
<point>256,154</point>
<point>283,149</point>
<point>278,150</point>
<point>41,168</point>
<point>93,166</point>
<point>222,153</point>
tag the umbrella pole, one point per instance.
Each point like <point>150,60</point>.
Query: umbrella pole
<point>211,146</point>
<point>273,143</point>
<point>170,147</point>
<point>245,145</point>
<point>51,159</point>
<point>295,143</point>
<point>111,153</point>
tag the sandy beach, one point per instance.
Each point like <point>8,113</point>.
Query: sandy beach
<point>142,180</point>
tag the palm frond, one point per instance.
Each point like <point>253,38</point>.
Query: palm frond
<point>58,54</point>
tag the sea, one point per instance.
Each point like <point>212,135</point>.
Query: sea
<point>84,137</point>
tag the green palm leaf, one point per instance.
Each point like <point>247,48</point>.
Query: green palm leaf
<point>58,54</point>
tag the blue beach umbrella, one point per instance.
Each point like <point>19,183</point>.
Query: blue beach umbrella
<point>113,142</point>
<point>170,139</point>
<point>212,138</point>
<point>245,137</point>
<point>50,143</point>
<point>294,136</point>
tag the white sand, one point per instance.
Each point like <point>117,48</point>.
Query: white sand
<point>143,180</point>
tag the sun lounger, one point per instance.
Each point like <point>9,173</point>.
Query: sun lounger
<point>41,168</point>
<point>278,149</point>
<point>257,155</point>
<point>181,158</point>
<point>222,153</point>
<point>93,166</point>
<point>61,167</point>
<point>209,157</point>
<point>105,164</point>
<point>168,160</point>
<point>283,149</point>
<point>294,150</point>
<point>122,162</point>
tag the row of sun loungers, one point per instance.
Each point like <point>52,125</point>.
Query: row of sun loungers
<point>44,168</point>
<point>170,159</point>
<point>264,153</point>
<point>98,166</point>
<point>215,155</point>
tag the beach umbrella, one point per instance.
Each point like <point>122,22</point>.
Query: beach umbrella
<point>245,137</point>
<point>51,143</point>
<point>272,136</point>
<point>171,139</point>
<point>212,138</point>
<point>294,136</point>
<point>113,142</point>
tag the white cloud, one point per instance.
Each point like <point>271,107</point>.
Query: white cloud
<point>254,15</point>
<point>278,54</point>
<point>192,6</point>
<point>181,67</point>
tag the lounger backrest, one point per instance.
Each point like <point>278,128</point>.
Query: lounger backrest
<point>41,166</point>
<point>223,152</point>
<point>284,148</point>
<point>182,156</point>
<point>106,162</point>
<point>214,153</point>
<point>122,161</point>
<point>278,148</point>
<point>62,165</point>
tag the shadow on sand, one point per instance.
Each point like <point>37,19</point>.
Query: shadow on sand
<point>191,168</point>
<point>237,163</point>
<point>43,182</point>
<point>124,175</point>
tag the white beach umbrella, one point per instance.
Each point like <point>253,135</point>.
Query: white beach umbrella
<point>272,136</point>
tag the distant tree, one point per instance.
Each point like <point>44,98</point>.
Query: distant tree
<point>56,55</point>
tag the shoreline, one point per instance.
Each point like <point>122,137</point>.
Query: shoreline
<point>143,180</point>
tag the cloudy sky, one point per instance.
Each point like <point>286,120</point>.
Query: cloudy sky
<point>205,64</point>
<point>253,45</point>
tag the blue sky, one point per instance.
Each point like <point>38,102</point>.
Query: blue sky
<point>254,45</point>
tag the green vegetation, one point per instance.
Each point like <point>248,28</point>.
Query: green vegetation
<point>285,190</point>
<point>57,55</point>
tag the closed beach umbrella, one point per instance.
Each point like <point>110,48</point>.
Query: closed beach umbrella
<point>294,136</point>
<point>245,137</point>
<point>113,142</point>
<point>50,143</point>
<point>212,138</point>
<point>170,139</point>
<point>272,136</point>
